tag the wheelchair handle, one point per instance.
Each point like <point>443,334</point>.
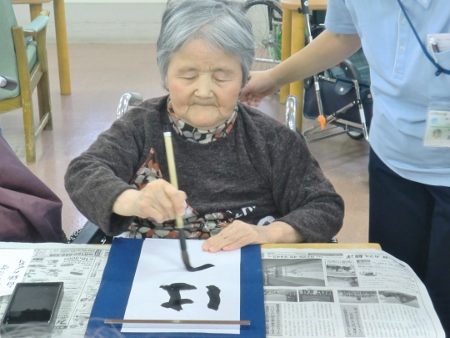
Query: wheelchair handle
<point>305,7</point>
<point>291,111</point>
<point>350,70</point>
<point>127,100</point>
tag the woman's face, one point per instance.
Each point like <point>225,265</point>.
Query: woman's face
<point>204,84</point>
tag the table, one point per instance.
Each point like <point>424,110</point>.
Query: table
<point>61,37</point>
<point>292,40</point>
<point>325,246</point>
<point>80,267</point>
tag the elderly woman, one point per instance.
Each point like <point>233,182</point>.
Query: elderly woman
<point>244,178</point>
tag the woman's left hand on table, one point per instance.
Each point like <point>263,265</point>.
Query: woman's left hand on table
<point>239,234</point>
<point>235,236</point>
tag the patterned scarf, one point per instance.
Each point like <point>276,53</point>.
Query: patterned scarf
<point>194,134</point>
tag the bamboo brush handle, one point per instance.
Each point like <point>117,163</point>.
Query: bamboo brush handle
<point>172,170</point>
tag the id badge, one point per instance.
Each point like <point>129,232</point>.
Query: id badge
<point>437,132</point>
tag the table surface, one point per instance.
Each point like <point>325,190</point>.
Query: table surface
<point>325,246</point>
<point>80,267</point>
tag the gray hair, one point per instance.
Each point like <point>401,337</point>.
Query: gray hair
<point>219,23</point>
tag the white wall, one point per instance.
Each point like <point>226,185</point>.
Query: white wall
<point>105,21</point>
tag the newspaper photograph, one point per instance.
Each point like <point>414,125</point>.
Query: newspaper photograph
<point>344,293</point>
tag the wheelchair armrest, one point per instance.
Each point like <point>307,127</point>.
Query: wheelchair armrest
<point>89,234</point>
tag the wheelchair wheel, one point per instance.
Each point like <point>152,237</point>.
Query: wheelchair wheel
<point>266,18</point>
<point>356,135</point>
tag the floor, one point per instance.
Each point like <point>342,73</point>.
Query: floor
<point>100,74</point>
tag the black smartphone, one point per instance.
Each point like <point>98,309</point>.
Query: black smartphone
<point>32,303</point>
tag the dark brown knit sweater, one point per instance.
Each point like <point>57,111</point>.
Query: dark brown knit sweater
<point>261,169</point>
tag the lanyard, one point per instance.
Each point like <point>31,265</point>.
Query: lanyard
<point>424,49</point>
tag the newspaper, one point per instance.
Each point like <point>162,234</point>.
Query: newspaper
<point>80,267</point>
<point>13,266</point>
<point>344,293</point>
<point>308,292</point>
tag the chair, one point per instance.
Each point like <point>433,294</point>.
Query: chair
<point>62,49</point>
<point>339,97</point>
<point>23,58</point>
<point>91,233</point>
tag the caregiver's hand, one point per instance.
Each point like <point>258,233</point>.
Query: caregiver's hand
<point>259,86</point>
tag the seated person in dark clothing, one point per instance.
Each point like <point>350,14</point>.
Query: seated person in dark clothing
<point>29,210</point>
<point>244,178</point>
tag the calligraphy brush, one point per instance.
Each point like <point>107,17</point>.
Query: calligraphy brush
<point>178,219</point>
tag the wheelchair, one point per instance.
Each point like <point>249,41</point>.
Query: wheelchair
<point>266,18</point>
<point>339,97</point>
<point>92,234</point>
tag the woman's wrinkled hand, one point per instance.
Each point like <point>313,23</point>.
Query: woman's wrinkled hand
<point>158,200</point>
<point>235,236</point>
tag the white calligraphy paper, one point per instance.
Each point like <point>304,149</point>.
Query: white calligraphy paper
<point>160,264</point>
<point>13,265</point>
